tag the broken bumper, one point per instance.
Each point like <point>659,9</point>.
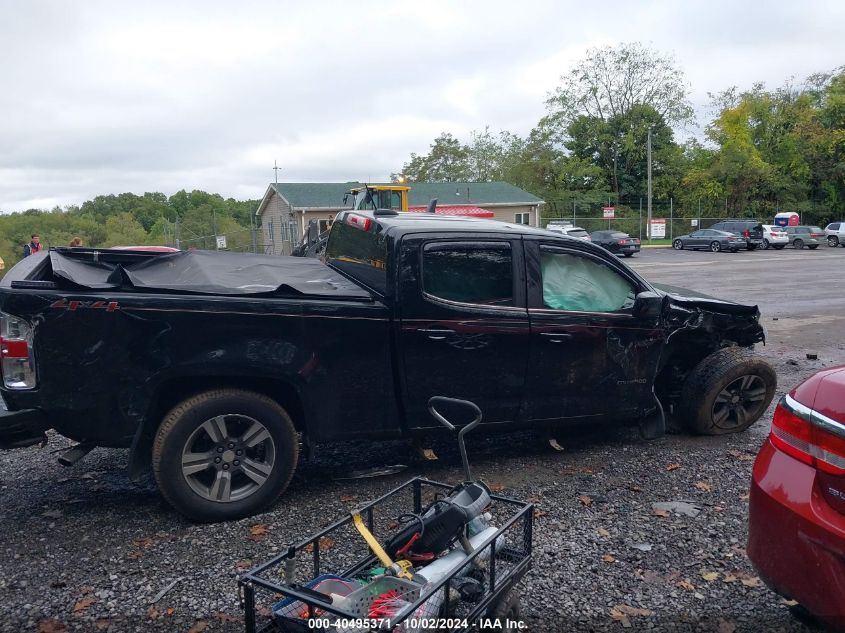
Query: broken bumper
<point>22,428</point>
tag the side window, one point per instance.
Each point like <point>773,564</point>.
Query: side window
<point>521,218</point>
<point>580,284</point>
<point>467,273</point>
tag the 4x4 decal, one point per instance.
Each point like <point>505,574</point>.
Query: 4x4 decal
<point>64,304</point>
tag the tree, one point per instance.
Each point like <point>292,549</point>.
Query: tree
<point>448,160</point>
<point>609,82</point>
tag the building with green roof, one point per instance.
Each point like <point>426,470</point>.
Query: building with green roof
<point>287,207</point>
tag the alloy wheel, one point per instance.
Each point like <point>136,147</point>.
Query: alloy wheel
<point>739,401</point>
<point>228,458</point>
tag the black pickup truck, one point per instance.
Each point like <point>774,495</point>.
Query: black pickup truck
<point>216,367</point>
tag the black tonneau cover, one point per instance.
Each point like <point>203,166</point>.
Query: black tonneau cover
<point>200,272</point>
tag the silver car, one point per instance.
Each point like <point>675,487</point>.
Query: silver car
<point>835,232</point>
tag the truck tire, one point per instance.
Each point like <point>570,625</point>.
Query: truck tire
<point>224,454</point>
<point>727,392</point>
<point>506,608</point>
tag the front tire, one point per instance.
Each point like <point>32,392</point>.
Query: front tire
<point>727,392</point>
<point>224,454</point>
<point>678,245</point>
<point>799,244</point>
<point>833,241</point>
<point>715,246</point>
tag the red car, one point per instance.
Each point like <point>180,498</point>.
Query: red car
<point>797,505</point>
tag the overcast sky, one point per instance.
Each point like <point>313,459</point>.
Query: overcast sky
<point>107,97</point>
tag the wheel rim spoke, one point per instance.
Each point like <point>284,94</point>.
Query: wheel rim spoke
<point>721,414</point>
<point>221,489</point>
<point>746,382</point>
<point>724,396</point>
<point>216,429</point>
<point>755,395</point>
<point>741,415</point>
<point>256,434</point>
<point>193,463</point>
<point>257,471</point>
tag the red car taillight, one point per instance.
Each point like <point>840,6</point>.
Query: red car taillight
<point>16,356</point>
<point>623,241</point>
<point>746,233</point>
<point>809,436</point>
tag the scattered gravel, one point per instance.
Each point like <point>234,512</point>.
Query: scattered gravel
<point>84,549</point>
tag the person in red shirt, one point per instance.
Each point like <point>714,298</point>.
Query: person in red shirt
<point>33,247</point>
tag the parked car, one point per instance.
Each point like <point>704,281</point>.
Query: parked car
<point>796,536</point>
<point>214,367</point>
<point>801,236</point>
<point>616,242</point>
<point>567,229</point>
<point>709,239</point>
<point>751,231</point>
<point>835,233</point>
<point>774,236</point>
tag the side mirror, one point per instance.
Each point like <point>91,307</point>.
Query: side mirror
<point>648,305</point>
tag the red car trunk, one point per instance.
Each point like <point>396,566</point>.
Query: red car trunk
<point>797,504</point>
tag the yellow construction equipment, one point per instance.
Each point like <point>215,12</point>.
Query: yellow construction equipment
<point>373,197</point>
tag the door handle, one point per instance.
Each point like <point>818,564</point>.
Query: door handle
<point>436,334</point>
<point>556,337</point>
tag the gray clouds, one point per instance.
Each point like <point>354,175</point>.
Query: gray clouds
<point>103,97</point>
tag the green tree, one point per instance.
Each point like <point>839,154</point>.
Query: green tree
<point>448,160</point>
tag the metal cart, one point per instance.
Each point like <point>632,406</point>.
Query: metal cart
<point>293,592</point>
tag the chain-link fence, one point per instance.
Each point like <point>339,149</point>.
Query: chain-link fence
<point>673,219</point>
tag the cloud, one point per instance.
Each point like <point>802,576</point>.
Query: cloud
<point>101,97</point>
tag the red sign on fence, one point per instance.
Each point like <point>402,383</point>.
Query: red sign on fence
<point>608,213</point>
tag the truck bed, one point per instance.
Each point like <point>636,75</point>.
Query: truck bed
<point>189,272</point>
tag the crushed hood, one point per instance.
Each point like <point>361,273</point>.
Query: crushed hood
<point>723,322</point>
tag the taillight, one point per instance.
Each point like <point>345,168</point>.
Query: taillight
<point>746,233</point>
<point>17,361</point>
<point>809,436</point>
<point>359,221</point>
<point>623,241</point>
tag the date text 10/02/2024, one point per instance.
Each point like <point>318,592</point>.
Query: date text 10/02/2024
<point>426,624</point>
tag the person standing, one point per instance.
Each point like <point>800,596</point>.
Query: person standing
<point>34,245</point>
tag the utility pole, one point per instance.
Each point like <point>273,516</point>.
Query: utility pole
<point>648,216</point>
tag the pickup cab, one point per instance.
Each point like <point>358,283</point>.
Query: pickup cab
<point>217,367</point>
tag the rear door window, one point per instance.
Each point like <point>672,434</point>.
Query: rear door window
<point>480,274</point>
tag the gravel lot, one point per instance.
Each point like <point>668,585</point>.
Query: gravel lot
<point>83,549</point>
